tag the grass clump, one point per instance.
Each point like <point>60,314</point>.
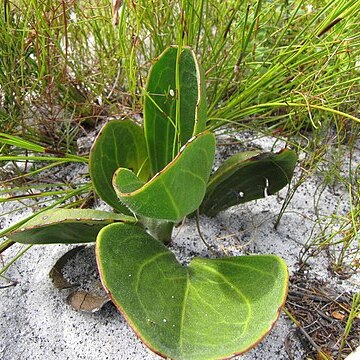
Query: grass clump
<point>279,63</point>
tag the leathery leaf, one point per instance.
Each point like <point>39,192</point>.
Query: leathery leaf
<point>175,191</point>
<point>69,226</point>
<point>211,309</point>
<point>248,176</point>
<point>174,105</point>
<point>119,144</point>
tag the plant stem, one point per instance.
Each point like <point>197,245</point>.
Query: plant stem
<point>159,229</point>
<point>5,245</point>
<point>6,267</point>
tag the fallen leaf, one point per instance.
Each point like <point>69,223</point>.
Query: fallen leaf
<point>56,273</point>
<point>83,301</point>
<point>337,315</point>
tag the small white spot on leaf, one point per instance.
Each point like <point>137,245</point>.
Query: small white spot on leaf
<point>266,187</point>
<point>182,148</point>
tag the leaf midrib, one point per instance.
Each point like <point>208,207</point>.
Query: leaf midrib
<point>233,287</point>
<point>245,323</point>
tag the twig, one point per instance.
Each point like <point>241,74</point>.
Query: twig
<point>307,336</point>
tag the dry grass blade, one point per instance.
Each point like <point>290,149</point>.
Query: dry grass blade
<point>116,5</point>
<point>322,315</point>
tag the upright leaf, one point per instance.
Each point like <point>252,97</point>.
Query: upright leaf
<point>175,191</point>
<point>174,105</point>
<point>67,226</point>
<point>212,309</point>
<point>119,144</point>
<point>248,176</point>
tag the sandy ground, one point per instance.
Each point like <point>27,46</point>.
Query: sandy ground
<point>37,323</point>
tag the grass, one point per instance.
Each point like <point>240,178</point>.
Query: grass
<point>354,313</point>
<point>285,68</point>
<point>279,69</point>
<point>337,234</point>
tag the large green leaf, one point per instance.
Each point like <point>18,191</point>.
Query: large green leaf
<point>69,226</point>
<point>174,106</point>
<point>175,191</point>
<point>211,309</point>
<point>119,144</point>
<point>248,176</point>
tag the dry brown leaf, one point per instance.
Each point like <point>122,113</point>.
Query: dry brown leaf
<point>56,273</point>
<point>83,301</point>
<point>338,315</point>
